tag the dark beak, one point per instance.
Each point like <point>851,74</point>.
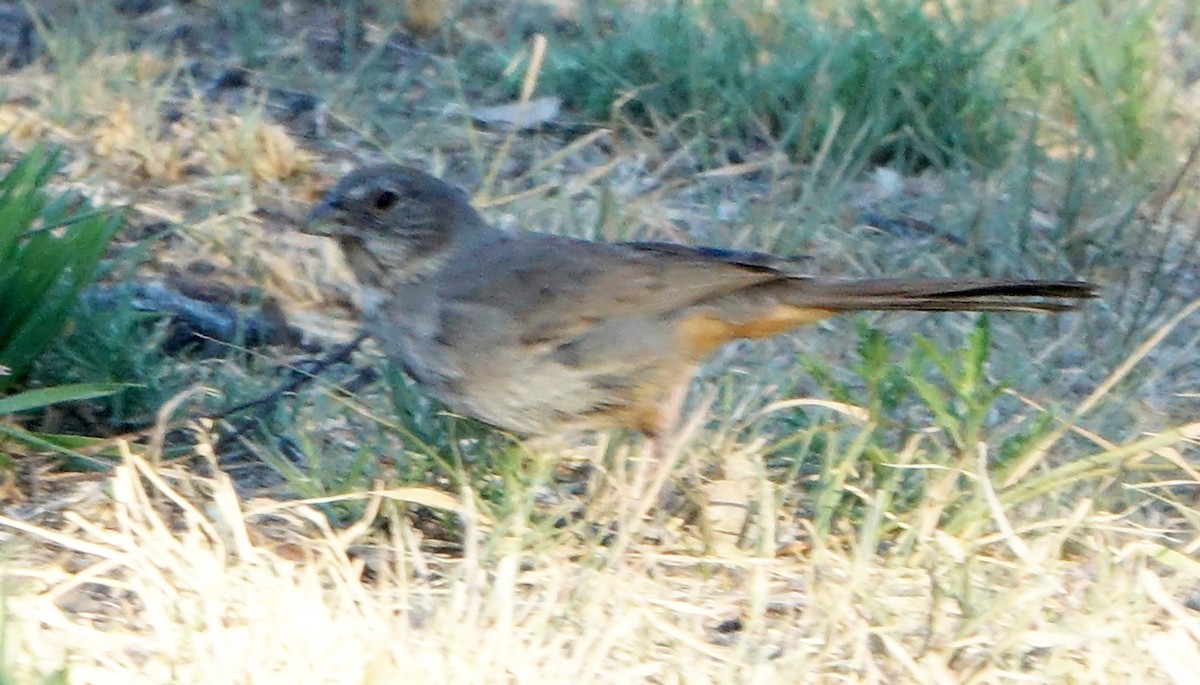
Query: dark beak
<point>320,218</point>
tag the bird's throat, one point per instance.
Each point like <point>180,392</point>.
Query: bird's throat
<point>367,269</point>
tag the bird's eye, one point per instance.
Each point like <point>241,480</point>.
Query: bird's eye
<point>385,200</point>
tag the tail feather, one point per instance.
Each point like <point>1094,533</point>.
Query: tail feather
<point>979,295</point>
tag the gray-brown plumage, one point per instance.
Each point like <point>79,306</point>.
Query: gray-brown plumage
<point>537,333</point>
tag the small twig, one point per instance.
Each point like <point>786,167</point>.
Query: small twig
<point>1015,543</point>
<point>300,376</point>
<point>537,55</point>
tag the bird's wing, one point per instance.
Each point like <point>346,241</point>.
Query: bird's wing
<point>784,266</point>
<point>557,287</point>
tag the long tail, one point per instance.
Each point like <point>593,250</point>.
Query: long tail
<point>936,295</point>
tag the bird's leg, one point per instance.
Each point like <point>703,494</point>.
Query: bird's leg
<point>648,485</point>
<point>652,471</point>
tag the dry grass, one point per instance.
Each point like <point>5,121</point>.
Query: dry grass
<point>159,574</point>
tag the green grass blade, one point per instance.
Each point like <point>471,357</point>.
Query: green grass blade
<point>44,397</point>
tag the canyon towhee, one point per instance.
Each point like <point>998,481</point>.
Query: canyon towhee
<point>537,333</point>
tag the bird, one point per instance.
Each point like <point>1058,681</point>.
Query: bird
<point>541,334</point>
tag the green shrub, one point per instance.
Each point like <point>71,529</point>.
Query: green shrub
<point>885,82</point>
<point>50,249</point>
<point>1097,67</point>
<point>112,342</point>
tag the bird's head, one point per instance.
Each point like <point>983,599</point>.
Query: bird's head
<point>394,221</point>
